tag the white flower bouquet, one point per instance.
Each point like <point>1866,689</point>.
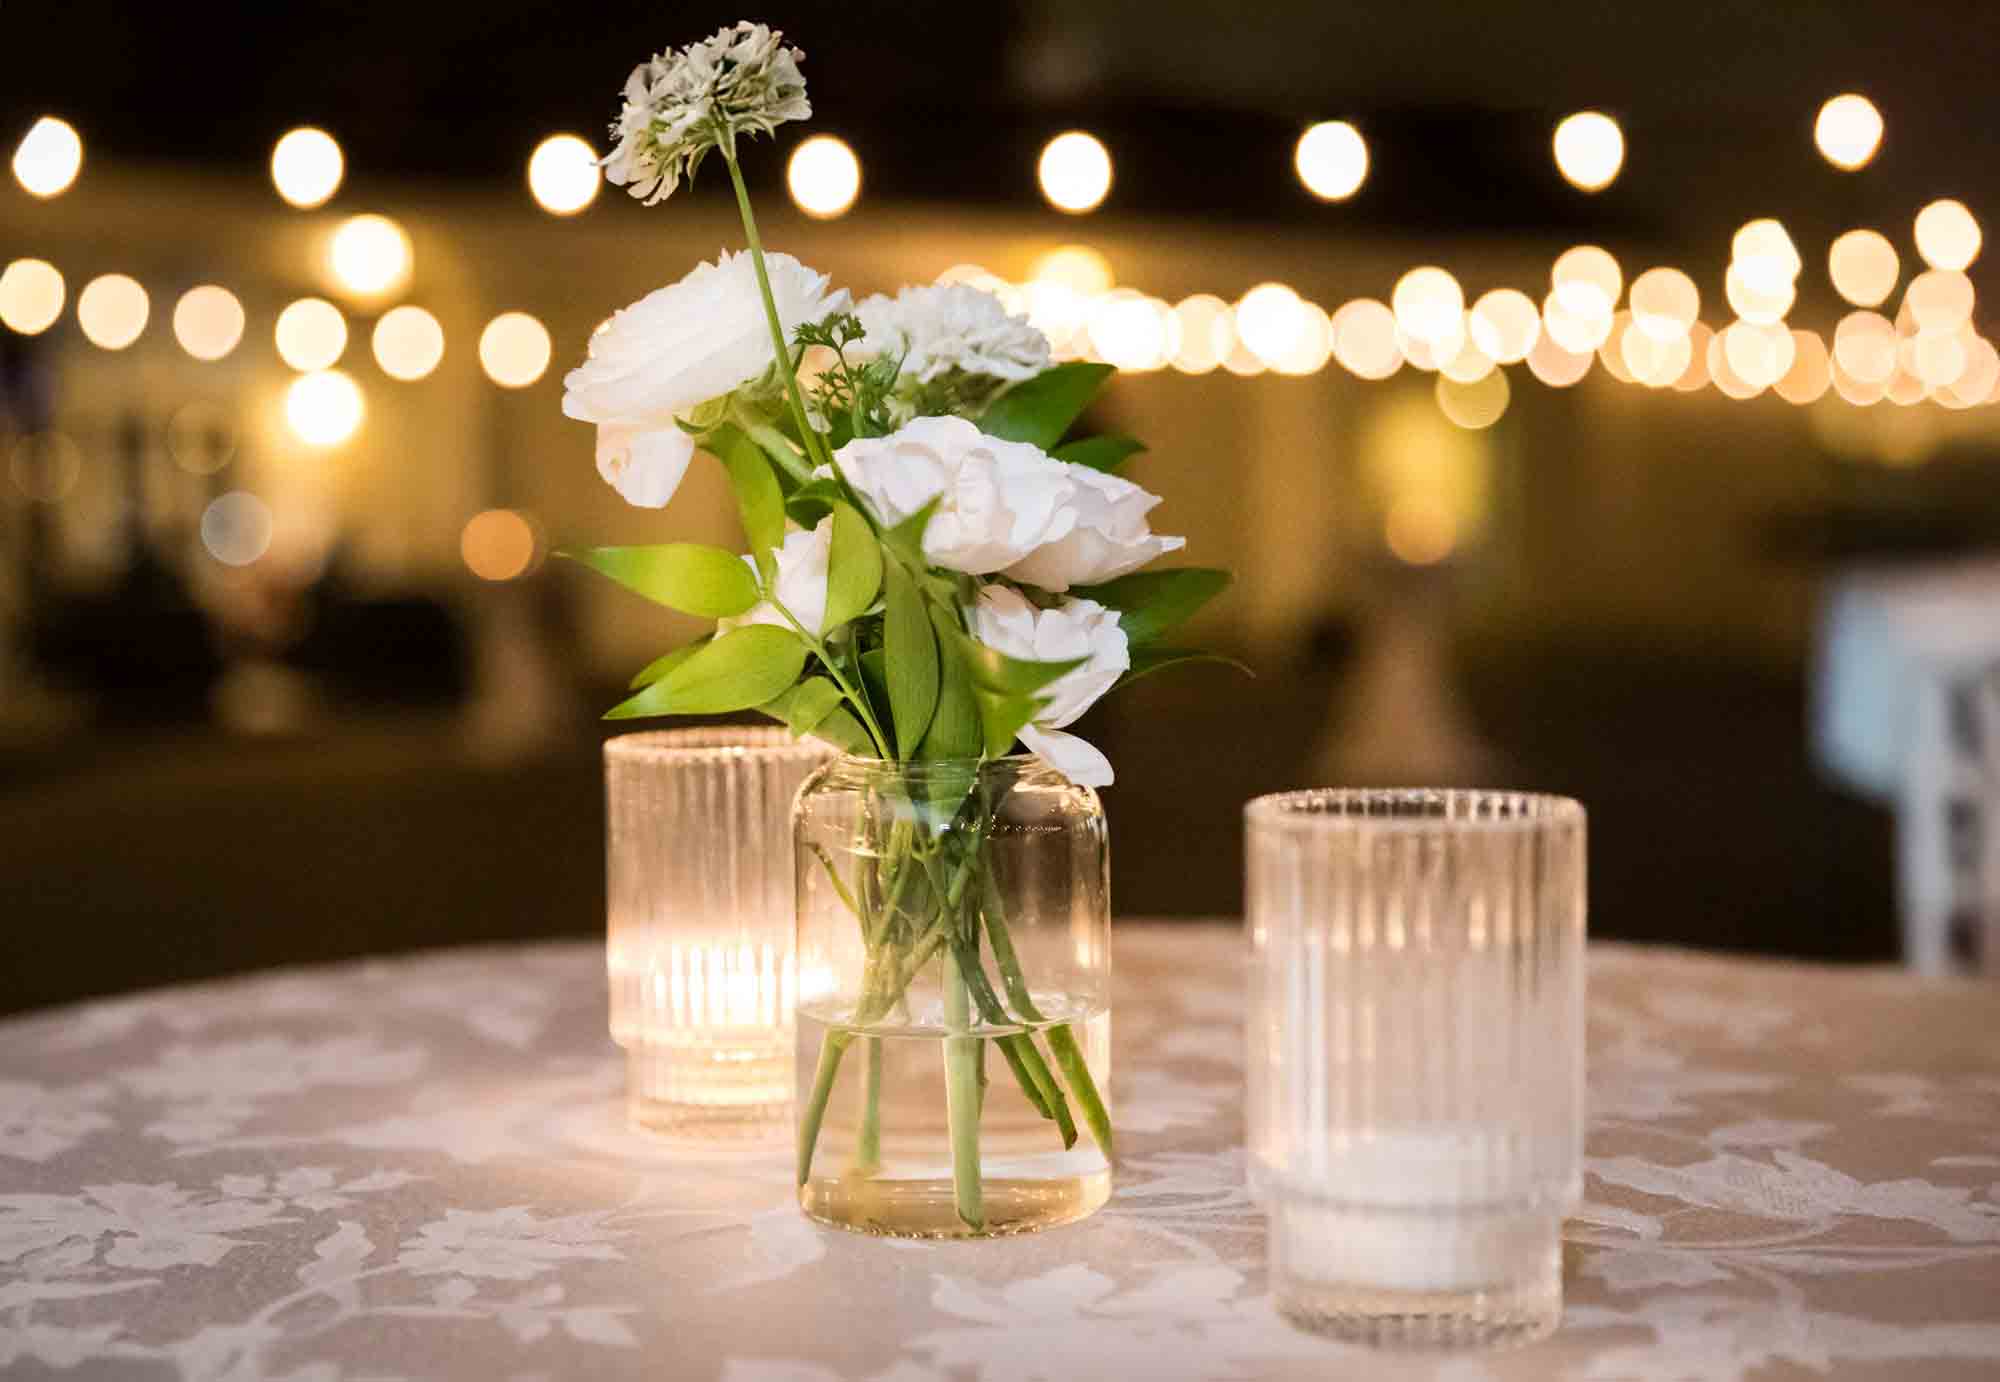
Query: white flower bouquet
<point>936,567</point>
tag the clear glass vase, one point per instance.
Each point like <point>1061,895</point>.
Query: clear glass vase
<point>954,1021</point>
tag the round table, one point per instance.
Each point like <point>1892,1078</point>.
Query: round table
<point>420,1168</point>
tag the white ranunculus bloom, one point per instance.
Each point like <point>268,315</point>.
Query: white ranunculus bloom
<point>997,500</point>
<point>801,584</point>
<point>1005,621</point>
<point>675,348</point>
<point>682,103</point>
<point>937,328</point>
<point>1109,539</point>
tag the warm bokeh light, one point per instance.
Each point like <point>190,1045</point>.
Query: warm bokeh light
<point>1271,321</point>
<point>514,350</point>
<point>408,343</point>
<point>45,466</point>
<point>1504,323</point>
<point>1760,354</point>
<point>201,437</point>
<point>370,256</point>
<point>1860,392</point>
<point>48,158</point>
<point>306,167</point>
<point>1585,277</point>
<point>1760,298</point>
<point>324,408</point>
<point>1332,160</point>
<point>1665,303</point>
<point>498,545</point>
<point>236,528</point>
<point>1940,299</point>
<point>1419,529</point>
<point>1937,357</point>
<point>112,310</point>
<point>1468,364</point>
<point>1364,339</point>
<point>1058,312</point>
<point>1075,172</point>
<point>1848,131</point>
<point>1981,374</point>
<point>1811,373</point>
<point>208,322</point>
<point>1208,333</point>
<point>1863,267</point>
<point>1079,268</point>
<point>1474,403</point>
<point>1864,345</point>
<point>1651,360</point>
<point>1131,332</point>
<point>1430,307</point>
<point>1695,375</point>
<point>1722,374</point>
<point>1590,149</point>
<point>1312,347</point>
<point>824,176</point>
<point>1764,250</point>
<point>1906,390</point>
<point>1556,365</point>
<point>1611,354</point>
<point>1948,235</point>
<point>1243,362</point>
<point>311,334</point>
<point>31,296</point>
<point>1576,318</point>
<point>563,176</point>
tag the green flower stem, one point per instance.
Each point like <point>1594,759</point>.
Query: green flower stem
<point>854,697</point>
<point>808,438</point>
<point>961,1073</point>
<point>1062,1041</point>
<point>831,1049</point>
<point>868,1144</point>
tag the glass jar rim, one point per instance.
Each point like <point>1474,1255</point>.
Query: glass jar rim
<point>1412,810</point>
<point>713,743</point>
<point>853,767</point>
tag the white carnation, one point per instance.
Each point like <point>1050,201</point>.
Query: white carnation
<point>681,104</point>
<point>997,500</point>
<point>938,328</point>
<point>800,586</point>
<point>1110,537</point>
<point>1007,622</point>
<point>676,348</point>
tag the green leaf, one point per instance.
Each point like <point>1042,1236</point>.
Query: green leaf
<point>805,705</point>
<point>1146,661</point>
<point>845,733</point>
<point>680,575</point>
<point>1151,602</point>
<point>853,567</point>
<point>907,537</point>
<point>956,729</point>
<point>758,501</point>
<point>1008,676</point>
<point>812,501</point>
<point>743,669</point>
<point>1041,409</point>
<point>1002,718</point>
<point>660,666</point>
<point>910,661</point>
<point>1105,453</point>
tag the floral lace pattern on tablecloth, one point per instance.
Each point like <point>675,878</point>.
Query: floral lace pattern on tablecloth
<point>420,1169</point>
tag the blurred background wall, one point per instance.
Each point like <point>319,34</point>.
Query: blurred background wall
<point>287,671</point>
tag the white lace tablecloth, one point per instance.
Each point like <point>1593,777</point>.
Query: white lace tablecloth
<point>420,1169</point>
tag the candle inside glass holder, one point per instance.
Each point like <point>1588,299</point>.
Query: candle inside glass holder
<point>1416,1058</point>
<point>698,865</point>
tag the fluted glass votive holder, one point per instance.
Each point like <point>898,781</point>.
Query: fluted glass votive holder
<point>1415,1061</point>
<point>700,926</point>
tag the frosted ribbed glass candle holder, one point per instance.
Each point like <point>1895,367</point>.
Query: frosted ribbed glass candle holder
<point>1415,1058</point>
<point>698,864</point>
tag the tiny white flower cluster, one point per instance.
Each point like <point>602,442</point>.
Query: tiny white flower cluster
<point>680,104</point>
<point>942,327</point>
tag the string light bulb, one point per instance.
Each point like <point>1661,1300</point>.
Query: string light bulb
<point>1848,131</point>
<point>48,158</point>
<point>1589,149</point>
<point>824,177</point>
<point>1332,160</point>
<point>1075,172</point>
<point>307,167</point>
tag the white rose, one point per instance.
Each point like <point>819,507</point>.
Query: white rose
<point>678,347</point>
<point>800,586</point>
<point>998,500</point>
<point>940,327</point>
<point>1005,621</point>
<point>1110,537</point>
